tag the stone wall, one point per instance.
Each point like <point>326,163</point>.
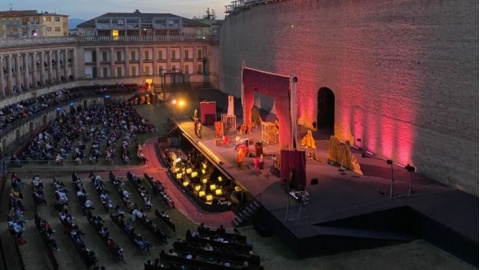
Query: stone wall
<point>404,73</point>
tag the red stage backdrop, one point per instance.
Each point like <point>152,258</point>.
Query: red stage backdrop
<point>208,112</point>
<point>294,160</point>
<point>276,86</point>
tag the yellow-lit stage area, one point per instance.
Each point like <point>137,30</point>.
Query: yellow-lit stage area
<point>350,191</point>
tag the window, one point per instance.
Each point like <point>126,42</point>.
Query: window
<point>119,56</point>
<point>160,55</point>
<point>160,71</point>
<point>186,70</point>
<point>133,71</point>
<point>105,72</point>
<point>132,55</point>
<point>199,69</point>
<point>48,19</point>
<point>57,19</point>
<point>147,70</point>
<point>57,29</point>
<point>199,53</point>
<point>104,56</point>
<point>119,71</point>
<point>49,29</point>
<point>174,68</point>
<point>186,54</point>
<point>173,55</point>
<point>147,55</point>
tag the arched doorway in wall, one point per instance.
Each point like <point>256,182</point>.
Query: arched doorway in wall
<point>325,111</point>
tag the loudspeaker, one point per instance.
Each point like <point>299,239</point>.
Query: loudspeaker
<point>314,181</point>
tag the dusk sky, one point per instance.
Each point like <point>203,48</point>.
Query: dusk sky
<point>89,9</point>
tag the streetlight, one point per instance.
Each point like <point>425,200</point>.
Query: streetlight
<point>181,104</point>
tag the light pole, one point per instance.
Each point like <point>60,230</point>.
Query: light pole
<point>390,162</point>
<point>293,111</point>
<point>410,170</point>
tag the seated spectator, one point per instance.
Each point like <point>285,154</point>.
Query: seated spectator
<point>59,160</point>
<point>38,197</point>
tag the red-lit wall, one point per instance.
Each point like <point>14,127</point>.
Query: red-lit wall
<point>404,73</point>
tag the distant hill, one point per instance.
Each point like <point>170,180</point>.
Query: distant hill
<point>72,22</point>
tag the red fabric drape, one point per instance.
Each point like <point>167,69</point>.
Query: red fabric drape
<point>207,108</point>
<point>294,160</point>
<point>273,85</point>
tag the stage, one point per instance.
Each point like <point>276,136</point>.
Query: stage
<point>347,211</point>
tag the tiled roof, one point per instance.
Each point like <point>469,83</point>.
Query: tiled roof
<point>187,22</point>
<point>17,13</point>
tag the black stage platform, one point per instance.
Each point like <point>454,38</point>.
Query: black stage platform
<point>348,211</point>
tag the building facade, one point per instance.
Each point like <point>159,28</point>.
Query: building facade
<point>37,66</point>
<point>32,24</point>
<point>397,79</point>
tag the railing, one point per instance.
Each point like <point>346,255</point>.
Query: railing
<point>92,39</point>
<point>31,42</point>
<point>35,41</point>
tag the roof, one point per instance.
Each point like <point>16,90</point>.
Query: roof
<point>18,13</point>
<point>187,22</point>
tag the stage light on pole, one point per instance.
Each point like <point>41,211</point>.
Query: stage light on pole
<point>390,162</point>
<point>410,170</point>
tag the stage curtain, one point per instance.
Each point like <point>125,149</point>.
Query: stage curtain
<point>294,160</point>
<point>273,85</point>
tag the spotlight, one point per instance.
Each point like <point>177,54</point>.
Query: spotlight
<point>209,197</point>
<point>220,179</point>
<point>203,171</point>
<point>204,180</point>
<point>389,161</point>
<point>198,187</point>
<point>204,165</point>
<point>185,183</point>
<point>201,193</point>
<point>189,170</point>
<point>194,174</point>
<point>410,168</point>
<point>179,176</point>
<point>179,159</point>
<point>218,192</point>
<point>213,187</point>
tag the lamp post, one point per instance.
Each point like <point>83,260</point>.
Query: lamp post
<point>293,111</point>
<point>410,170</point>
<point>390,162</point>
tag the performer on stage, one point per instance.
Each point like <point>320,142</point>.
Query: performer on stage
<point>308,140</point>
<point>195,127</point>
<point>200,126</point>
<point>240,156</point>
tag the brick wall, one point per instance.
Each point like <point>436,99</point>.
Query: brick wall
<point>404,73</point>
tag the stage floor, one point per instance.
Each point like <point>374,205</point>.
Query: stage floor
<point>341,194</point>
